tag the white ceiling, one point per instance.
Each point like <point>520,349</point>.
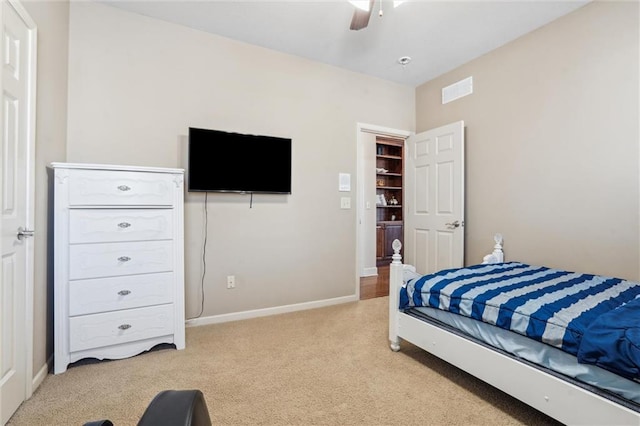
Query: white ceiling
<point>438,35</point>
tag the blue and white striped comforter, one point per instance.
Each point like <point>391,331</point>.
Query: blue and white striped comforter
<point>592,317</point>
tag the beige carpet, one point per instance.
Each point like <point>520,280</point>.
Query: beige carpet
<point>328,366</point>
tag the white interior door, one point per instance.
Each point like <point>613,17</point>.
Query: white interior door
<point>16,200</point>
<point>434,199</point>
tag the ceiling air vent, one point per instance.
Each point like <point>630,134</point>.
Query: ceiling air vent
<point>457,90</point>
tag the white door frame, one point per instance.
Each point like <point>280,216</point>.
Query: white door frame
<point>360,209</point>
<point>30,188</point>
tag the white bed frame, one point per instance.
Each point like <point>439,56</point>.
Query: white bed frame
<point>564,401</point>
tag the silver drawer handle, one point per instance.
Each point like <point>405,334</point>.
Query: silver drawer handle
<point>124,326</point>
<point>124,258</point>
<point>124,225</point>
<point>124,188</point>
<point>124,292</point>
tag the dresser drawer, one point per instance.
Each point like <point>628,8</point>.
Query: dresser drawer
<point>102,187</point>
<point>107,225</point>
<point>112,328</point>
<point>116,259</point>
<point>111,294</point>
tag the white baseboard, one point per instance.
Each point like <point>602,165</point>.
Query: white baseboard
<point>369,272</point>
<point>41,375</point>
<point>236,316</point>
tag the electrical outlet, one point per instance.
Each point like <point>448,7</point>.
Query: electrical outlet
<point>231,281</point>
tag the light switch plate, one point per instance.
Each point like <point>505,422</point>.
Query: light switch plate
<point>344,184</point>
<point>345,202</point>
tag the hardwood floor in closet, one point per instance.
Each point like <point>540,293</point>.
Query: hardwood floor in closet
<point>371,287</point>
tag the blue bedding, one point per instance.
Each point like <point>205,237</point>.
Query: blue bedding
<point>595,318</point>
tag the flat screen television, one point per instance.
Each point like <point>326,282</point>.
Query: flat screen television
<point>234,162</point>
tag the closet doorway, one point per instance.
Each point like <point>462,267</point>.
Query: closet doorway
<point>432,227</point>
<point>375,219</point>
<point>389,196</point>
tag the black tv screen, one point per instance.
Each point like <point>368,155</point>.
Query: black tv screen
<point>233,162</point>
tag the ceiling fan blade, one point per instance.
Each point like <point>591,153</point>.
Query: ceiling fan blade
<point>361,17</point>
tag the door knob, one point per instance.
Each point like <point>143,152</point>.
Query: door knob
<point>23,233</point>
<point>453,225</point>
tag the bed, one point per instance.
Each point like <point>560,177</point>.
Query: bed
<point>503,320</point>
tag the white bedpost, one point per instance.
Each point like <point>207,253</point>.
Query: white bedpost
<point>498,255</point>
<point>395,282</point>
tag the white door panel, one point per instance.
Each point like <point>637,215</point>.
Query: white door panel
<point>434,223</point>
<point>17,49</point>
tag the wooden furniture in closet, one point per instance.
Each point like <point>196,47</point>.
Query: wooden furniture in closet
<point>389,183</point>
<point>118,261</point>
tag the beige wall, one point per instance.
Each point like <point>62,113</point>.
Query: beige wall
<point>136,85</point>
<point>52,19</point>
<point>552,142</point>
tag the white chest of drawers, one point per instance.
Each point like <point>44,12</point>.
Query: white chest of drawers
<point>118,261</point>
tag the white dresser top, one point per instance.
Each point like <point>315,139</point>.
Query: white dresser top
<point>89,166</point>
